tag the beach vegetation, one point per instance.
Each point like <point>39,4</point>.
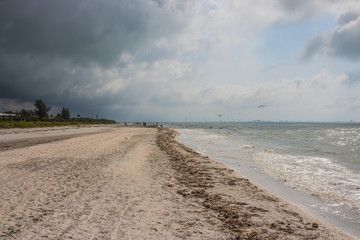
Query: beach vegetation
<point>65,114</point>
<point>39,117</point>
<point>9,112</point>
<point>41,109</point>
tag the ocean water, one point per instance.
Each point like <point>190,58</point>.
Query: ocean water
<point>318,161</point>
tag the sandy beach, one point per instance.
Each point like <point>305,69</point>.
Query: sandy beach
<point>110,182</point>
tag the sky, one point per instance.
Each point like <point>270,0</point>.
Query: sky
<point>183,60</point>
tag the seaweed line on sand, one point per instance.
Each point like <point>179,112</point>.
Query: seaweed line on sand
<point>209,183</point>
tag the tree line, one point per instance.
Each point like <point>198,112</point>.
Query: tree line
<point>41,113</point>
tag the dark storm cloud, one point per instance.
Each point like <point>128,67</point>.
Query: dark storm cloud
<point>341,42</point>
<point>52,49</point>
<point>81,31</point>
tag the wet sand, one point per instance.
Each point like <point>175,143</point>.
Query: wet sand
<point>133,183</point>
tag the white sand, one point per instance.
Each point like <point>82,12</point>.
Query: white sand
<point>131,183</point>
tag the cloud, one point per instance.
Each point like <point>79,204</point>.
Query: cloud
<point>346,18</point>
<point>126,58</point>
<point>352,78</point>
<point>314,46</point>
<point>82,31</point>
<point>343,41</point>
<point>324,80</point>
<point>15,104</point>
<point>72,52</point>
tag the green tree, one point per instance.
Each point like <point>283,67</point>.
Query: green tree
<point>26,114</point>
<point>41,109</point>
<point>65,114</point>
<point>58,117</point>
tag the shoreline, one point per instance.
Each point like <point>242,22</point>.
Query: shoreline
<point>310,204</point>
<point>135,183</point>
<point>240,157</point>
<point>249,216</point>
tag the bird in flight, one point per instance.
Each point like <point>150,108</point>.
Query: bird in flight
<point>219,115</point>
<point>261,106</point>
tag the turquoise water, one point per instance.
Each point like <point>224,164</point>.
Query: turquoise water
<point>315,159</point>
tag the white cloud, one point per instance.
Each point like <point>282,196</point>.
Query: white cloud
<point>324,80</point>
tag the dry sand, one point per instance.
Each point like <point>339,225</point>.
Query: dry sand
<point>133,183</point>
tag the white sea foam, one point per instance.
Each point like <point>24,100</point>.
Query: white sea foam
<point>313,175</point>
<point>201,140</point>
<point>316,159</point>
